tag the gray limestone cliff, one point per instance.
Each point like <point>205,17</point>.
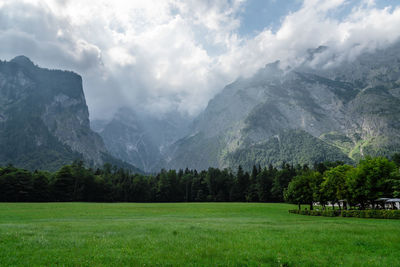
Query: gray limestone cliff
<point>141,139</point>
<point>44,119</point>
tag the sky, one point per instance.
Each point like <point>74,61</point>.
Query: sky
<point>158,56</point>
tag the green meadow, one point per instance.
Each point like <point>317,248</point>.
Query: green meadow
<point>189,234</point>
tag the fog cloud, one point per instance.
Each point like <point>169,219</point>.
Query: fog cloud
<point>163,55</point>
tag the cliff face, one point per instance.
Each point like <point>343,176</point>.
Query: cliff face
<point>300,115</point>
<point>44,119</point>
<point>141,139</point>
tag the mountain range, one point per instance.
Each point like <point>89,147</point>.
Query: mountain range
<point>311,113</point>
<point>326,108</point>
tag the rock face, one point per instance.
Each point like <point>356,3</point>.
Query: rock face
<point>44,119</point>
<point>140,139</point>
<point>300,115</point>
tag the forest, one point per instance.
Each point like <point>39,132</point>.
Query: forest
<point>325,183</point>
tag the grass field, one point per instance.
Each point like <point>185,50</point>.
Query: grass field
<point>189,234</point>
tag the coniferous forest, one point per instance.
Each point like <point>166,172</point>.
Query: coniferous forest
<point>324,183</point>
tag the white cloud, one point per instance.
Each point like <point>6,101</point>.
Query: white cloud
<point>313,25</point>
<point>160,55</point>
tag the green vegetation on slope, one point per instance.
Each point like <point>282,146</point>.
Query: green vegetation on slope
<point>292,146</point>
<point>199,150</point>
<point>344,143</point>
<point>196,234</point>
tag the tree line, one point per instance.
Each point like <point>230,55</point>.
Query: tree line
<point>323,182</point>
<point>75,182</point>
<point>354,186</point>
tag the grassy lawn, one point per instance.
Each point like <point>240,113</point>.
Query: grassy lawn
<point>189,234</point>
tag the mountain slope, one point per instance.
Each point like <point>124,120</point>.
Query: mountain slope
<point>141,139</point>
<point>44,119</point>
<point>300,115</point>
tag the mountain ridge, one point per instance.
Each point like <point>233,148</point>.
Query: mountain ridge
<point>314,112</point>
<point>44,119</point>
<point>350,107</point>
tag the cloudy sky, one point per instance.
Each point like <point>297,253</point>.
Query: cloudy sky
<point>163,55</point>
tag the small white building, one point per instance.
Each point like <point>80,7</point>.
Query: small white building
<point>394,202</point>
<point>389,203</point>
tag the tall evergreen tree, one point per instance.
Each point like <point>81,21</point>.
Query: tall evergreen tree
<point>63,184</point>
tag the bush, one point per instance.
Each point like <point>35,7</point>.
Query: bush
<point>351,213</point>
<point>331,213</point>
<point>304,212</point>
<point>315,212</point>
<point>391,214</point>
<point>377,214</point>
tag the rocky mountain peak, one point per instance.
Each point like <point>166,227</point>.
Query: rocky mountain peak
<point>23,61</point>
